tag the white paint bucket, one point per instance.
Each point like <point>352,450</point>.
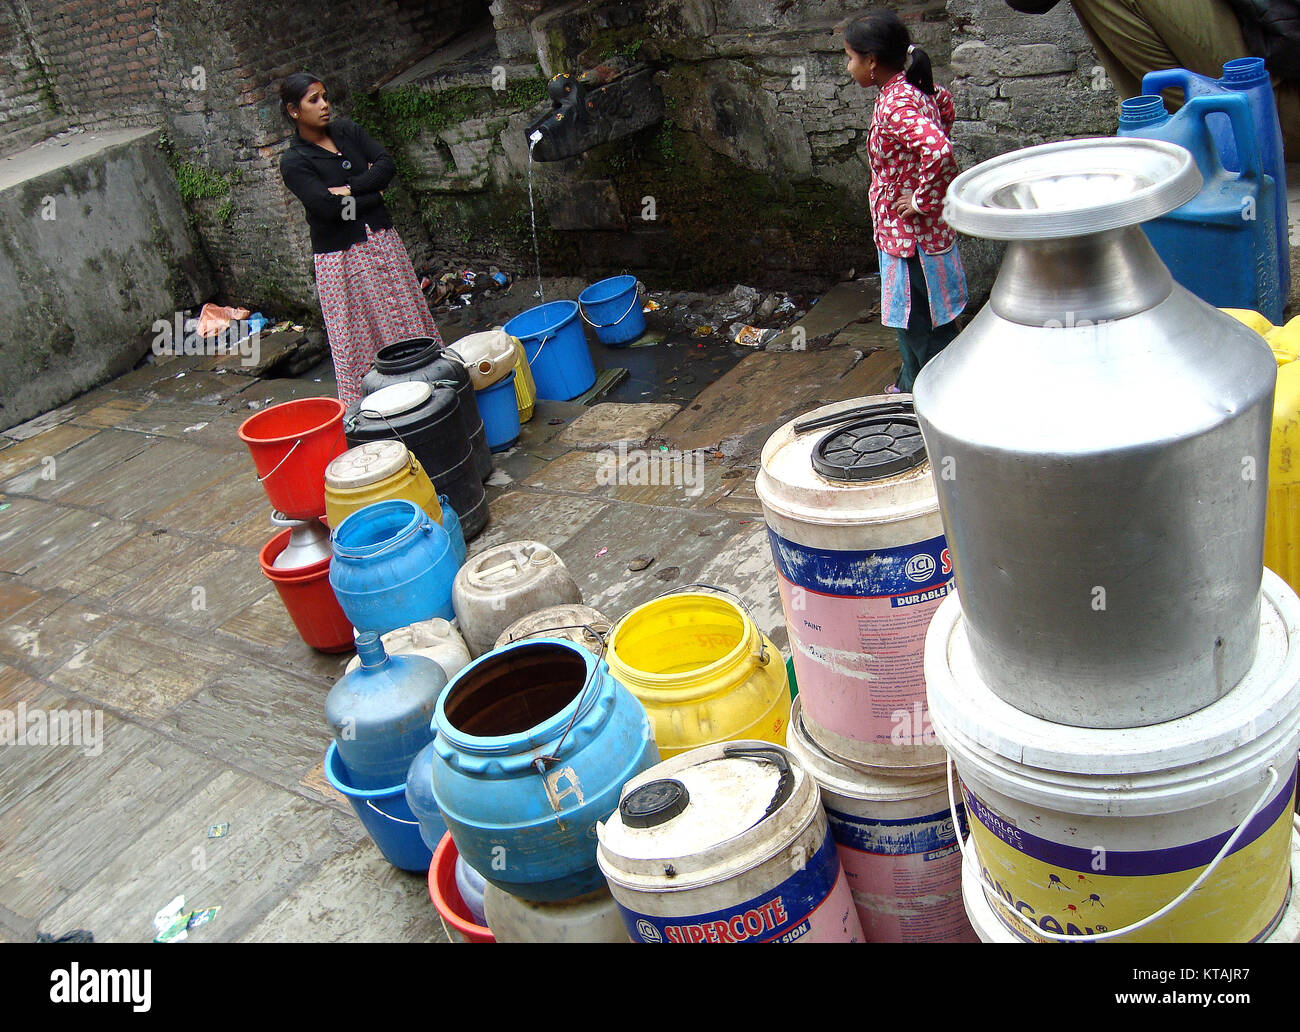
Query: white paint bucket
<point>1086,832</point>
<point>591,918</point>
<point>726,843</point>
<point>897,842</point>
<point>989,929</point>
<point>862,564</point>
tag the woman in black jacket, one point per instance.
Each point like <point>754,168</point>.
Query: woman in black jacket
<point>368,291</point>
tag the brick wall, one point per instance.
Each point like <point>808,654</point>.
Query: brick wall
<point>29,111</point>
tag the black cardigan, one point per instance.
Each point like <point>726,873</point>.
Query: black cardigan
<point>309,171</point>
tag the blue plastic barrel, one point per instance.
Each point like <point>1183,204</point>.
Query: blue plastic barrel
<point>1221,245</point>
<point>385,815</point>
<point>451,524</point>
<point>393,566</point>
<point>500,411</point>
<point>612,308</point>
<point>534,742</point>
<point>556,348</point>
<point>419,797</point>
<point>1247,77</point>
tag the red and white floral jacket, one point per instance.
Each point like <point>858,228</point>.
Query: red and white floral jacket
<point>909,151</point>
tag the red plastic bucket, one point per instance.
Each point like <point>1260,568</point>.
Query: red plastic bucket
<point>307,595</point>
<point>456,919</point>
<point>291,445</point>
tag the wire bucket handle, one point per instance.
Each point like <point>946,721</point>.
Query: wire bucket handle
<point>267,476</point>
<point>381,813</point>
<point>1111,933</point>
<point>636,299</point>
<point>545,340</point>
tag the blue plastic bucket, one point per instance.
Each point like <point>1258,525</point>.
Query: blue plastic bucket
<point>385,815</point>
<point>393,566</point>
<point>556,347</point>
<point>500,411</point>
<point>451,524</point>
<point>612,308</point>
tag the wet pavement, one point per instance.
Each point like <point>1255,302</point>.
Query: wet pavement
<point>130,521</point>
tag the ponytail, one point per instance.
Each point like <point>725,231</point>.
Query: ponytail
<point>884,35</point>
<point>919,72</point>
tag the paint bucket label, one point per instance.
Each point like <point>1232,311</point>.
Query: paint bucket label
<point>812,905</point>
<point>1087,888</point>
<point>905,876</point>
<point>857,621</point>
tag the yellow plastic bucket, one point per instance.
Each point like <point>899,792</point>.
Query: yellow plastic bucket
<point>1282,519</point>
<point>377,472</point>
<point>525,388</point>
<point>702,670</point>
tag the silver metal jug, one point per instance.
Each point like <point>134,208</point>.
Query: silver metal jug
<point>1100,441</point>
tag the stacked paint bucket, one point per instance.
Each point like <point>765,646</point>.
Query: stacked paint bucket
<point>1117,680</point>
<point>862,564</point>
<point>291,445</point>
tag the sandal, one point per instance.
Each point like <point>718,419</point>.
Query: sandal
<point>893,389</point>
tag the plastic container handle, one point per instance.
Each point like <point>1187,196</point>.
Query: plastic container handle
<point>1173,904</point>
<point>389,815</point>
<point>1237,108</point>
<point>760,754</point>
<point>636,297</point>
<point>1167,79</point>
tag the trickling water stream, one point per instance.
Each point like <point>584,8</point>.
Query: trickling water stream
<point>532,213</point>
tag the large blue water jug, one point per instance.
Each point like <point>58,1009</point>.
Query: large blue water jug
<point>380,713</point>
<point>1247,77</point>
<point>419,797</point>
<point>534,742</point>
<point>393,566</point>
<point>1221,245</point>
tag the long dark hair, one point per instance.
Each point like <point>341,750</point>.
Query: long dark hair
<point>884,35</point>
<point>294,88</point>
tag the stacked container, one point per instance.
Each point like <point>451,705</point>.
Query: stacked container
<point>862,564</point>
<point>1118,694</point>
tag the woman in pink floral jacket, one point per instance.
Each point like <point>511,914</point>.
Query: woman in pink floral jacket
<point>922,283</point>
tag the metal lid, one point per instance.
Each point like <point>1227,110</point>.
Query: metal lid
<point>396,398</point>
<point>1072,188</point>
<point>871,448</point>
<point>367,464</point>
<point>653,804</point>
<point>569,621</point>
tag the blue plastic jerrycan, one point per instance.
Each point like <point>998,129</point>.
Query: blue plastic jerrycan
<point>1246,77</point>
<point>1223,243</point>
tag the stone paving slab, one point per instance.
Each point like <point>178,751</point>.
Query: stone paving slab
<point>58,835</point>
<point>83,462</point>
<point>81,565</point>
<point>268,722</point>
<point>141,669</point>
<point>14,597</point>
<point>25,768</point>
<point>265,632</point>
<point>50,632</point>
<point>608,424</point>
<point>275,839</point>
<point>23,455</point>
<point>356,896</point>
<point>200,588</point>
<point>42,534</point>
<point>843,304</point>
<point>161,472</point>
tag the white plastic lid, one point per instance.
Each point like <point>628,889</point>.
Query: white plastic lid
<point>366,464</point>
<point>397,398</point>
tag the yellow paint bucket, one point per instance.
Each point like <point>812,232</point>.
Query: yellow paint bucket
<point>1282,519</point>
<point>1174,832</point>
<point>702,670</point>
<point>377,472</point>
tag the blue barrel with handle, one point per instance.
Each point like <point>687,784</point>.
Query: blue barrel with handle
<point>1245,77</point>
<point>556,348</point>
<point>392,566</point>
<point>1221,245</point>
<point>612,308</point>
<point>534,742</point>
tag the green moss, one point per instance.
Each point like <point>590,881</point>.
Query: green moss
<point>400,115</point>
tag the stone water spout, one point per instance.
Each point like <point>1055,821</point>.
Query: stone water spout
<point>605,103</point>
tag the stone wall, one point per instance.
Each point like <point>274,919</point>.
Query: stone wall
<point>28,109</point>
<point>94,246</point>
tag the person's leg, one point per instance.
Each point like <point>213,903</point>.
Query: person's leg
<point>1133,37</point>
<point>914,343</point>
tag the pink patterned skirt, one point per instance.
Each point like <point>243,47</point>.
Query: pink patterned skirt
<point>370,297</point>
